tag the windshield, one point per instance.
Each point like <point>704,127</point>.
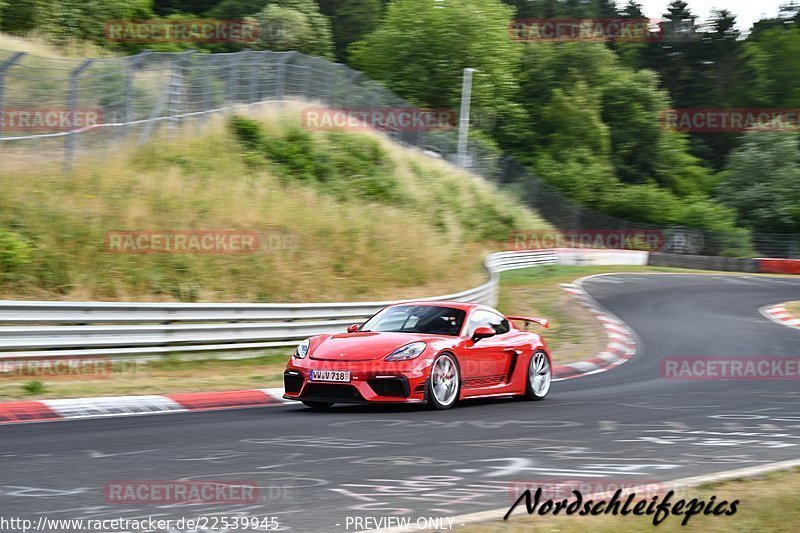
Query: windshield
<point>432,319</point>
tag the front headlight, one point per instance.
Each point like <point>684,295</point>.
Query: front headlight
<point>409,351</point>
<point>302,349</point>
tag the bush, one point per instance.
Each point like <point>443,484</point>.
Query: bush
<point>15,254</point>
<point>646,203</point>
<point>20,16</point>
<point>345,164</point>
<point>33,387</point>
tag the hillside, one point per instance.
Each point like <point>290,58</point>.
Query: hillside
<point>338,215</point>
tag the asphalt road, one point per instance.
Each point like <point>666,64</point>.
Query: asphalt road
<point>317,469</point>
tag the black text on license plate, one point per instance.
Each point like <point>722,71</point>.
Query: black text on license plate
<point>330,375</point>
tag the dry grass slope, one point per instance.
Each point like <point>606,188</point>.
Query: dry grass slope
<point>426,237</point>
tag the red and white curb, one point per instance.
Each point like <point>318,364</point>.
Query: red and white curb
<point>620,348</point>
<point>112,406</point>
<point>621,345</point>
<point>778,313</point>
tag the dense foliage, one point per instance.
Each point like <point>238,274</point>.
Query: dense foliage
<point>586,116</point>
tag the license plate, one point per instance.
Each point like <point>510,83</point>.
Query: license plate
<point>330,375</point>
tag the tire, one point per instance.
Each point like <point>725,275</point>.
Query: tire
<point>539,378</point>
<point>444,383</point>
<point>318,406</point>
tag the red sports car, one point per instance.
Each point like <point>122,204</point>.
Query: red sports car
<point>421,352</point>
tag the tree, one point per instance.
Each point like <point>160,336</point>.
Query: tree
<point>778,55</point>
<point>606,9</point>
<point>632,107</point>
<point>20,16</point>
<point>351,20</point>
<point>788,17</point>
<point>422,47</point>
<point>574,119</point>
<point>164,8</point>
<point>617,116</point>
<point>633,10</point>
<point>295,25</point>
<point>236,9</point>
<point>85,19</point>
<point>762,182</point>
<point>679,22</point>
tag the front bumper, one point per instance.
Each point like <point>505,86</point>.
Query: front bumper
<point>370,382</point>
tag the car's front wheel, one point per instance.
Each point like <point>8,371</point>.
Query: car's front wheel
<point>539,376</point>
<point>318,405</point>
<point>444,383</point>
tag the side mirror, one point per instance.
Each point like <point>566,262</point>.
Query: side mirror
<point>352,328</point>
<point>483,332</point>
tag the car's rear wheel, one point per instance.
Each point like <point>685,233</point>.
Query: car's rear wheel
<point>318,405</point>
<point>444,383</point>
<point>540,376</point>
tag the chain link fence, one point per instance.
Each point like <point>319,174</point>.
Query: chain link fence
<point>103,103</point>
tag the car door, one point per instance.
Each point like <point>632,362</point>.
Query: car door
<point>486,363</point>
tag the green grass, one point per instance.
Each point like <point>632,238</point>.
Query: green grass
<point>33,387</point>
<point>356,218</point>
<point>768,503</point>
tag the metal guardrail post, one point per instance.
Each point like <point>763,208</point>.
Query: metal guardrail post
<point>282,74</point>
<point>71,139</point>
<point>256,58</point>
<point>130,66</point>
<point>7,64</point>
<point>233,77</point>
<point>207,100</point>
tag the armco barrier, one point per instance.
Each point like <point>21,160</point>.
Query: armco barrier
<point>779,266</point>
<point>702,262</point>
<point>593,257</point>
<point>31,329</point>
<point>147,330</point>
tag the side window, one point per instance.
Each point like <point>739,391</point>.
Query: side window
<point>499,323</point>
<point>485,318</point>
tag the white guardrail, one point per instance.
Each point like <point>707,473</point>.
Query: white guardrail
<point>74,329</point>
<point>30,329</point>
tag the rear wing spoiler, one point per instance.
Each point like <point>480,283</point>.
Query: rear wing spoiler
<point>528,320</point>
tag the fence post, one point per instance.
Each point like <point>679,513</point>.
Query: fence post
<point>71,140</point>
<point>208,103</point>
<point>576,217</point>
<point>463,119</point>
<point>177,105</point>
<point>3,69</point>
<point>233,77</point>
<point>256,58</point>
<point>130,65</point>
<point>282,72</point>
